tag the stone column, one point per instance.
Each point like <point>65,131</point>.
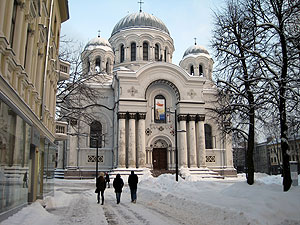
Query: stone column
<point>29,54</point>
<point>201,141</point>
<point>18,30</point>
<point>2,15</point>
<point>192,141</point>
<point>182,149</point>
<point>228,149</point>
<point>7,25</point>
<point>132,141</point>
<point>122,140</point>
<point>141,148</point>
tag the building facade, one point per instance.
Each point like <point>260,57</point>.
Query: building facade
<point>29,72</point>
<point>142,95</point>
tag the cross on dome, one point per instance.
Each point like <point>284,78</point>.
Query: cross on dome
<point>195,41</point>
<point>141,2</point>
<point>99,33</point>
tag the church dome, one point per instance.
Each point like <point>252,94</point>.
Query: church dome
<point>140,20</point>
<point>98,42</point>
<point>195,50</point>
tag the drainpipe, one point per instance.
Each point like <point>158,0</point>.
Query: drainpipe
<point>46,62</point>
<point>117,110</point>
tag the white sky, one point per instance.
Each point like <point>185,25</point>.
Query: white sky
<point>185,19</point>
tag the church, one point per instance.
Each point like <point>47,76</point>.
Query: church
<point>150,113</point>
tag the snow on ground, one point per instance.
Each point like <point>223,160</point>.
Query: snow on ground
<point>162,201</point>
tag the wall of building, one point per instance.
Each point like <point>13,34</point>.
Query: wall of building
<point>28,77</point>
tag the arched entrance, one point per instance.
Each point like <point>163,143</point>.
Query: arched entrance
<point>159,155</point>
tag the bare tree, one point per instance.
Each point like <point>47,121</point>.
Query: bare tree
<point>238,75</point>
<point>76,95</point>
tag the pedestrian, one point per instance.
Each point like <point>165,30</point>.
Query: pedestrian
<point>25,184</point>
<point>118,185</point>
<point>107,180</point>
<point>101,185</point>
<point>133,181</point>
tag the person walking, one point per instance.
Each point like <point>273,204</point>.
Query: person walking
<point>107,180</point>
<point>133,181</point>
<point>101,185</point>
<point>118,185</point>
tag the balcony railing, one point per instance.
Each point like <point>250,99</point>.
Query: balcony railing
<point>64,70</point>
<point>61,131</point>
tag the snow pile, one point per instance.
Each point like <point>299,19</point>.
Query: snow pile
<point>162,200</point>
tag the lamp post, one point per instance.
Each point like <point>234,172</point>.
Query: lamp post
<point>176,144</point>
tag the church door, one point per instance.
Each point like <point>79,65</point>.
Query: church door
<point>160,159</point>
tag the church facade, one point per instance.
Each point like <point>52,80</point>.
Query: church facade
<point>142,94</point>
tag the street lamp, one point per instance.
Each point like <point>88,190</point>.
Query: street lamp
<point>176,145</point>
<point>96,137</point>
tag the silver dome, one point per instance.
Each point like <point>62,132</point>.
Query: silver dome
<point>140,19</point>
<point>195,50</point>
<point>96,43</point>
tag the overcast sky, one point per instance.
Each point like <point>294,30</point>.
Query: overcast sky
<point>185,19</point>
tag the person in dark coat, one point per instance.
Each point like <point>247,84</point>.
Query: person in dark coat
<point>107,180</point>
<point>101,185</point>
<point>133,181</point>
<point>118,185</point>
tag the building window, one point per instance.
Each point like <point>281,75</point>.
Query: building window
<point>13,24</point>
<point>166,55</point>
<point>145,51</point>
<point>208,136</point>
<point>192,70</point>
<point>107,67</point>
<point>200,71</point>
<point>133,51</point>
<point>95,134</point>
<point>159,109</point>
<point>156,52</point>
<point>97,65</point>
<point>122,51</point>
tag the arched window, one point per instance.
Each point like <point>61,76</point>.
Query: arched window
<point>145,51</point>
<point>88,65</point>
<point>192,70</point>
<point>156,52</point>
<point>165,55</point>
<point>95,134</point>
<point>159,109</point>
<point>107,67</point>
<point>97,65</point>
<point>133,51</point>
<point>208,136</point>
<point>122,53</point>
<point>200,71</point>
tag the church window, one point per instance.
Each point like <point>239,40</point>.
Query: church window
<point>122,53</point>
<point>145,51</point>
<point>97,65</point>
<point>156,52</point>
<point>133,51</point>
<point>95,134</point>
<point>200,71</point>
<point>208,136</point>
<point>159,109</point>
<point>107,68</point>
<point>88,66</point>
<point>192,70</point>
<point>165,55</point>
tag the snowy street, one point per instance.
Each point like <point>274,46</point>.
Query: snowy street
<point>164,201</point>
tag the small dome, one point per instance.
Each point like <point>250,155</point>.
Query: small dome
<point>98,42</point>
<point>195,50</point>
<point>140,20</point>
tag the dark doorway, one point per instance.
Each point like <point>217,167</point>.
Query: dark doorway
<point>159,159</point>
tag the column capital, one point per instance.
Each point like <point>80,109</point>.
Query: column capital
<point>200,117</point>
<point>141,116</point>
<point>121,115</point>
<point>192,117</point>
<point>132,115</point>
<point>182,117</point>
